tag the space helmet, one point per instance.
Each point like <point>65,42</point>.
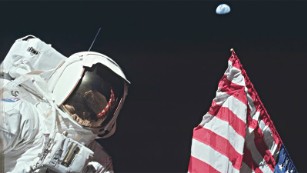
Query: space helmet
<point>91,88</point>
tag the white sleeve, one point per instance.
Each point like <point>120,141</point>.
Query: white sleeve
<point>102,162</point>
<point>30,54</point>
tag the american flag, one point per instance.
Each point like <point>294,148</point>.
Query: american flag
<point>237,134</point>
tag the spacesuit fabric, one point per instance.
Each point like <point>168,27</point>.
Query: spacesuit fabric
<point>30,118</point>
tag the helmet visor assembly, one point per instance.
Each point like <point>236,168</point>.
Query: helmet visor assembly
<point>96,97</point>
<point>91,88</point>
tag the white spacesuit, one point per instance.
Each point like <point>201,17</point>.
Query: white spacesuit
<point>53,108</point>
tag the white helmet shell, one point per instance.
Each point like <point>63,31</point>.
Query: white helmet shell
<point>67,76</point>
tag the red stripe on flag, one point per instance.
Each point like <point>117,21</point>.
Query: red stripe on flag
<point>263,148</point>
<point>235,61</point>
<point>259,140</point>
<point>248,160</point>
<point>251,122</point>
<point>197,165</point>
<point>227,115</point>
<point>219,144</point>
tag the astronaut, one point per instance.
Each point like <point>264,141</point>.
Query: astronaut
<point>53,108</point>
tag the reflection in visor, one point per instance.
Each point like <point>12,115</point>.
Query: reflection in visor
<point>97,102</point>
<point>95,98</point>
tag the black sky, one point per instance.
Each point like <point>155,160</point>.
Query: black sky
<point>174,53</point>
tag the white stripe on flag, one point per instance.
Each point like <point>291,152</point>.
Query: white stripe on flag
<point>268,139</point>
<point>255,153</point>
<point>234,75</point>
<point>210,156</point>
<point>223,129</point>
<point>235,105</point>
